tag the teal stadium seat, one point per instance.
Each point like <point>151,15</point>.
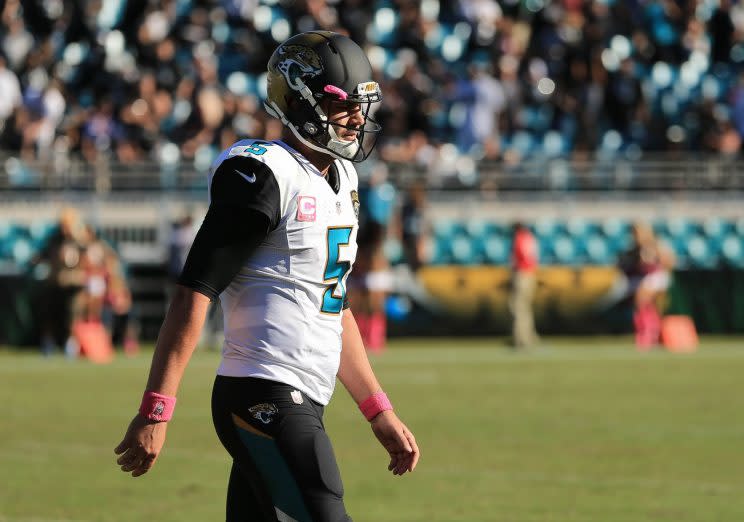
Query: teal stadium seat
<point>22,251</point>
<point>564,250</point>
<point>597,250</point>
<point>732,250</point>
<point>462,251</point>
<point>715,229</point>
<point>739,227</point>
<point>548,227</point>
<point>699,252</point>
<point>40,232</point>
<point>393,251</point>
<point>697,244</point>
<point>443,231</point>
<point>9,232</point>
<point>617,235</point>
<point>497,250</point>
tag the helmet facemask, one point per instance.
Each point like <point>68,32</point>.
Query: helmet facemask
<point>329,134</point>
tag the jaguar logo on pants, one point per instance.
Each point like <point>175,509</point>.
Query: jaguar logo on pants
<point>264,412</point>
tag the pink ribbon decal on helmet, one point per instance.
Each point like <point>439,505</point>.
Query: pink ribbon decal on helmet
<point>332,89</point>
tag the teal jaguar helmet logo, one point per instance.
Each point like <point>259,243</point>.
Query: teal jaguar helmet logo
<point>298,62</point>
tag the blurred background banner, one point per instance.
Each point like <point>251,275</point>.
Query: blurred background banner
<point>455,300</point>
<point>578,119</point>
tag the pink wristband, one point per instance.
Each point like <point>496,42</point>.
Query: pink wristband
<point>157,407</point>
<point>374,404</point>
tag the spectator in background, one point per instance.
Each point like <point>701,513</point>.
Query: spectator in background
<point>412,225</point>
<point>371,281</point>
<point>181,237</point>
<point>647,265</point>
<point>64,283</point>
<point>106,297</point>
<point>722,30</point>
<point>11,89</point>
<point>93,264</point>
<point>524,268</point>
<point>124,331</point>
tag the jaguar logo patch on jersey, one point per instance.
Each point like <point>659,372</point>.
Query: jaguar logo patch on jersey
<point>355,202</point>
<point>264,412</point>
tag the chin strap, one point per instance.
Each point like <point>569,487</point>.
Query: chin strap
<point>335,147</point>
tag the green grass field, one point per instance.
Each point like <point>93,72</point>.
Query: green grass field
<point>582,430</point>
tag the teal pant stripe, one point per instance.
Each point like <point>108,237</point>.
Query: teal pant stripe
<point>284,490</point>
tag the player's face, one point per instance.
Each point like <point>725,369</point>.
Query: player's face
<point>345,116</point>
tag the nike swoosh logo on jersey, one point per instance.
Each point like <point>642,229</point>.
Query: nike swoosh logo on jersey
<point>249,179</point>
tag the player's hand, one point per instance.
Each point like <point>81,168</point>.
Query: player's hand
<point>141,445</point>
<point>398,440</point>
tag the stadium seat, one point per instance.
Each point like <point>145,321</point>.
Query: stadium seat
<point>614,228</point>
<point>732,250</point>
<point>523,143</point>
<point>496,250</point>
<point>9,232</point>
<point>739,227</point>
<point>393,251</point>
<point>554,144</point>
<point>462,250</point>
<point>22,251</point>
<point>548,227</point>
<point>564,250</point>
<point>715,228</point>
<point>699,252</point>
<point>40,232</point>
<point>578,227</point>
<point>597,250</point>
<point>439,253</point>
<point>678,228</point>
<point>479,228</point>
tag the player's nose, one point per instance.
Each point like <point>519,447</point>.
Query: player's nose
<point>356,119</point>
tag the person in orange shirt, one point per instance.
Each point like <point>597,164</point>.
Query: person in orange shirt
<point>524,269</point>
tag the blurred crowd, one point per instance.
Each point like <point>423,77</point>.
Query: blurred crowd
<point>175,81</point>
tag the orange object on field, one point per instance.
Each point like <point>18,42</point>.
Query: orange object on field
<point>94,340</point>
<point>678,334</point>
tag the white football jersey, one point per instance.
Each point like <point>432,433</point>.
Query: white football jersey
<point>282,312</point>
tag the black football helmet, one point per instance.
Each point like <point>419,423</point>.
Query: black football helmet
<point>317,65</point>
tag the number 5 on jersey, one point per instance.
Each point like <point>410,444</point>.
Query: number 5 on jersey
<point>335,271</point>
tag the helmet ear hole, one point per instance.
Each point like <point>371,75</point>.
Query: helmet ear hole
<point>310,128</point>
<point>292,102</point>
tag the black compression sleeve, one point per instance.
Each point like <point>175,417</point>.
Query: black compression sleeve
<point>244,208</point>
<point>218,252</point>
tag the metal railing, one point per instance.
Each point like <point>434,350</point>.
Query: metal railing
<point>534,175</point>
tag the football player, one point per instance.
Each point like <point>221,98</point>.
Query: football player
<point>276,246</point>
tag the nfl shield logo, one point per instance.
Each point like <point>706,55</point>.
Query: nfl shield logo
<point>296,397</point>
<point>338,207</point>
